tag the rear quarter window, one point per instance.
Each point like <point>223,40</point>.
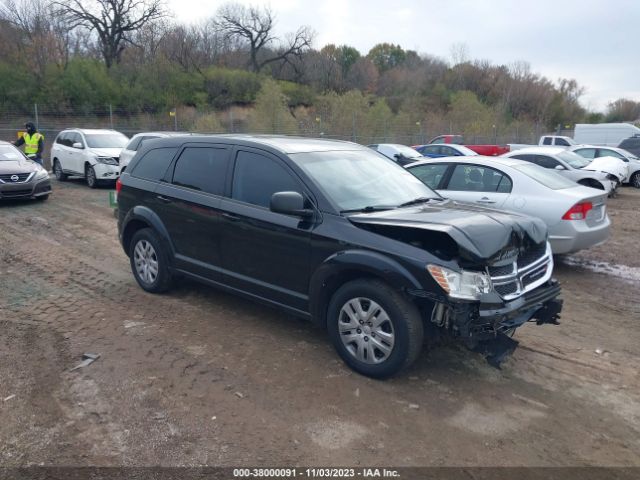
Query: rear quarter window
<point>153,165</point>
<point>549,178</point>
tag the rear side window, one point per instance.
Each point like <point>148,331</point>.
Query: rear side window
<point>544,161</point>
<point>586,152</point>
<point>611,153</point>
<point>547,141</point>
<point>430,174</point>
<point>202,168</point>
<point>477,178</point>
<point>256,178</point>
<point>133,144</point>
<point>154,164</point>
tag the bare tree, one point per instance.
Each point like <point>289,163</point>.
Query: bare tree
<point>255,25</point>
<point>114,21</point>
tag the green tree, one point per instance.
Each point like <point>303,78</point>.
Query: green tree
<point>386,56</point>
<point>469,115</point>
<point>271,112</point>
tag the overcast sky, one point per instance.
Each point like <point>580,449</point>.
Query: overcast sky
<point>595,42</point>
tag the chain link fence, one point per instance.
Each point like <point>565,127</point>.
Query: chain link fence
<point>355,127</point>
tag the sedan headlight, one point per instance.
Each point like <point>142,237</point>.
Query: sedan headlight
<point>107,160</point>
<point>465,284</point>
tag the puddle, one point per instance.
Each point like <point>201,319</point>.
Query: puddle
<point>620,271</point>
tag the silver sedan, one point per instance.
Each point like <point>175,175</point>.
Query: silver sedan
<point>576,215</point>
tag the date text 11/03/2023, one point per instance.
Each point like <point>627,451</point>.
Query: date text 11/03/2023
<point>315,473</point>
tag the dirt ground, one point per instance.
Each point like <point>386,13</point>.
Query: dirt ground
<point>200,377</point>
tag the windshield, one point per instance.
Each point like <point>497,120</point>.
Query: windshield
<point>9,153</point>
<point>355,180</point>
<point>575,160</point>
<point>401,149</point>
<point>465,150</point>
<point>106,140</point>
<point>548,178</point>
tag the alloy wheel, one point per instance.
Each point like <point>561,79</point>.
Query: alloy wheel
<point>366,331</point>
<point>146,261</point>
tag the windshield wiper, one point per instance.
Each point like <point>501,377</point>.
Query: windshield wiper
<point>368,208</point>
<point>418,200</point>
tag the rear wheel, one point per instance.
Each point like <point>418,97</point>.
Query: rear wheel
<point>635,179</point>
<point>57,170</point>
<point>90,176</point>
<point>374,329</point>
<point>149,262</point>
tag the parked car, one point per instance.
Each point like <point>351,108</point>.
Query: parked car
<point>437,151</point>
<point>401,154</point>
<point>137,140</point>
<point>633,162</point>
<point>606,134</point>
<point>556,140</point>
<point>575,215</point>
<point>488,150</point>
<point>21,177</point>
<point>92,154</point>
<point>568,164</point>
<point>335,233</point>
<point>631,145</point>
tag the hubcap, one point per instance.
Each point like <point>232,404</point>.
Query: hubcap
<point>635,181</point>
<point>90,176</point>
<point>146,261</point>
<point>366,330</point>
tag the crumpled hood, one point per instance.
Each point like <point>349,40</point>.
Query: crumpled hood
<point>482,234</point>
<point>107,152</point>
<point>611,165</point>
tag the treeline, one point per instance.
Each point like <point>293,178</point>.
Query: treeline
<point>66,55</point>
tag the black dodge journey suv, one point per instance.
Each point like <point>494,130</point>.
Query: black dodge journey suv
<point>339,234</point>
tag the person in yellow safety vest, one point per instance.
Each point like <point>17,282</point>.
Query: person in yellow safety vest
<point>33,142</point>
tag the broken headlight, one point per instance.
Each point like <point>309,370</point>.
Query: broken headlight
<point>464,284</point>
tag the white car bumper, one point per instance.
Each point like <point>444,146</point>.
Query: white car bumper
<point>106,172</point>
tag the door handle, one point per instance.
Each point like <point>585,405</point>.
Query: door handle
<point>163,199</point>
<point>485,200</point>
<point>230,216</point>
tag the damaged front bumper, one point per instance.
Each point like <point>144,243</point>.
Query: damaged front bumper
<point>484,326</point>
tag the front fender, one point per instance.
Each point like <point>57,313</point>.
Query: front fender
<point>143,215</point>
<point>344,266</point>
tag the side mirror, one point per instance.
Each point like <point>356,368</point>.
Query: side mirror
<point>560,167</point>
<point>289,203</point>
<point>77,145</point>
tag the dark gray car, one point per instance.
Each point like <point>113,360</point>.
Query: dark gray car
<point>21,177</point>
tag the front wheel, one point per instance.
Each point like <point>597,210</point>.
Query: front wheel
<point>374,328</point>
<point>635,180</point>
<point>57,170</point>
<point>149,262</point>
<point>90,177</point>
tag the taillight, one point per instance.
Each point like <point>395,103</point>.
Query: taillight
<point>118,185</point>
<point>578,211</point>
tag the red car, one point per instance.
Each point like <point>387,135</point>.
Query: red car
<point>487,150</point>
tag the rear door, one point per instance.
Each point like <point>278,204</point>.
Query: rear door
<point>477,184</point>
<point>189,206</point>
<point>264,253</point>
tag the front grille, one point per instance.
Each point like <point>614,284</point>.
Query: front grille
<point>22,177</point>
<point>531,255</point>
<point>527,272</point>
<point>16,193</point>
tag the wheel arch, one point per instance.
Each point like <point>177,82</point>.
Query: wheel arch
<point>343,267</point>
<point>140,217</point>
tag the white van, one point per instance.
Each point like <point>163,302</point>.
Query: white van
<point>609,134</point>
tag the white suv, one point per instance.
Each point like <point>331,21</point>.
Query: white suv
<point>136,142</point>
<point>92,154</point>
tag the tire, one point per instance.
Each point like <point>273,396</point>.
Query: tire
<point>635,180</point>
<point>401,334</point>
<point>142,240</point>
<point>42,198</point>
<point>90,177</point>
<point>57,170</point>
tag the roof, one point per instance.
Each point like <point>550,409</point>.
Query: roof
<point>92,131</point>
<point>281,143</point>
<point>541,150</point>
<point>479,159</point>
